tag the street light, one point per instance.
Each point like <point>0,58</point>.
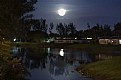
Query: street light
<point>14,39</point>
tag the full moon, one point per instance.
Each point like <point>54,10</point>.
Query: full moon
<point>61,12</point>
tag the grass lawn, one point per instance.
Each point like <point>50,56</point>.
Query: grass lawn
<point>109,69</point>
<point>103,70</point>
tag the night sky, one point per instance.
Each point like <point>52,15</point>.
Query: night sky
<point>80,12</point>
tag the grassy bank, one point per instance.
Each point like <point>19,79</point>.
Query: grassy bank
<point>103,70</point>
<point>109,69</point>
<point>5,48</point>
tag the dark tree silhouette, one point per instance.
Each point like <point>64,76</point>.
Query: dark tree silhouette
<point>88,25</point>
<point>106,30</point>
<point>13,16</point>
<point>117,29</point>
<point>39,25</point>
<point>65,30</point>
<point>72,29</point>
<point>51,27</point>
<point>60,29</point>
<point>98,31</point>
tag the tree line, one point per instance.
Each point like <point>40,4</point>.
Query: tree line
<point>16,21</point>
<point>69,30</point>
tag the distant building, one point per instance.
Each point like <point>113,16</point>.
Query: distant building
<point>71,40</point>
<point>110,40</point>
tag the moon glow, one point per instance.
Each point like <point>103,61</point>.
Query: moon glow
<point>61,12</point>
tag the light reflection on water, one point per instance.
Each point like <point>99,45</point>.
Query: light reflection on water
<point>61,52</point>
<point>53,64</point>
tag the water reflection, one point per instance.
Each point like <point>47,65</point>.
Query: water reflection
<point>61,52</point>
<point>103,57</point>
<point>48,64</point>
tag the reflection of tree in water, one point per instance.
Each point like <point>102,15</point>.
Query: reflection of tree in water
<point>57,65</point>
<point>60,65</point>
<point>33,57</point>
<point>40,58</point>
<point>36,58</point>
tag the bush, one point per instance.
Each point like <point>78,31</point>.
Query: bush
<point>11,68</point>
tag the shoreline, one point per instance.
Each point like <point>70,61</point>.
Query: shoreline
<point>102,70</point>
<point>106,69</point>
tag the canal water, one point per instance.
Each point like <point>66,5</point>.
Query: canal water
<point>54,64</point>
